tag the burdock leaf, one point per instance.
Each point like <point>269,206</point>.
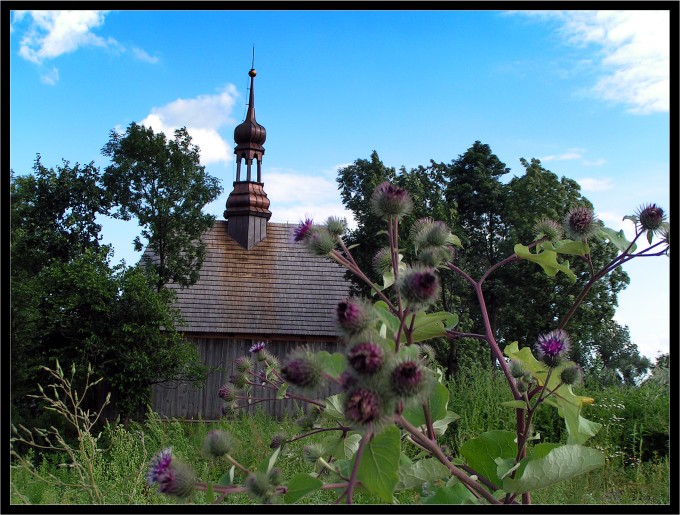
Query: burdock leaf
<point>300,485</point>
<point>481,452</point>
<point>618,239</point>
<point>547,259</point>
<point>560,464</point>
<point>379,463</point>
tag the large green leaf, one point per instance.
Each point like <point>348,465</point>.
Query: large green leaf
<point>432,325</point>
<point>618,239</point>
<point>379,463</point>
<point>453,493</point>
<point>560,464</point>
<point>481,453</point>
<point>300,485</point>
<point>569,405</point>
<point>334,408</point>
<point>421,471</point>
<point>333,364</point>
<point>576,248</point>
<point>438,400</point>
<point>267,464</point>
<point>547,259</point>
<point>341,447</point>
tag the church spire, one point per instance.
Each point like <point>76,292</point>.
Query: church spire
<point>248,206</point>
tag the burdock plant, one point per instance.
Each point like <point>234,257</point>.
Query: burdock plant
<point>383,430</point>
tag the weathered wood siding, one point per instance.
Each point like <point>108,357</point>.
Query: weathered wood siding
<point>183,401</point>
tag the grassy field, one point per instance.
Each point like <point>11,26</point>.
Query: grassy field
<point>635,430</point>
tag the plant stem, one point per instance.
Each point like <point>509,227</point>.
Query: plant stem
<point>357,459</point>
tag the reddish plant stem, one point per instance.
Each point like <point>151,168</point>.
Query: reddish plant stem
<point>357,459</point>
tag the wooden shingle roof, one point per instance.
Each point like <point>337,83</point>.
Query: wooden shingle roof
<point>276,288</point>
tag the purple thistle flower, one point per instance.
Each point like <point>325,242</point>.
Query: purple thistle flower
<point>407,378</point>
<point>227,393</point>
<point>159,466</point>
<point>580,223</point>
<point>362,406</point>
<point>366,357</point>
<point>257,347</point>
<point>303,230</point>
<point>172,477</point>
<point>552,347</point>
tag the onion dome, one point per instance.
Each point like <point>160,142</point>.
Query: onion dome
<point>250,135</point>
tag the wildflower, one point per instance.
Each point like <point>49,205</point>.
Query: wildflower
<point>302,231</point>
<point>580,223</point>
<point>217,443</point>
<point>227,393</point>
<point>302,371</point>
<point>571,375</point>
<point>172,477</point>
<point>390,200</point>
<point>257,347</point>
<point>549,228</point>
<point>353,315</point>
<point>407,378</point>
<point>419,286</point>
<point>366,357</point>
<point>347,381</point>
<point>362,406</point>
<point>259,485</point>
<point>651,217</point>
<point>336,226</point>
<point>552,347</point>
<point>275,476</point>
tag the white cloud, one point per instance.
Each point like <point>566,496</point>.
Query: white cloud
<point>143,56</point>
<point>567,156</point>
<point>203,116</point>
<point>590,184</point>
<point>634,53</point>
<point>50,34</point>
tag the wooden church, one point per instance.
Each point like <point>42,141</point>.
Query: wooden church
<point>255,285</point>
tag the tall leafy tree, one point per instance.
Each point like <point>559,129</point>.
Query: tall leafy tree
<point>69,304</point>
<point>161,182</point>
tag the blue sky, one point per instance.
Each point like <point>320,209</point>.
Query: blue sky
<point>586,92</point>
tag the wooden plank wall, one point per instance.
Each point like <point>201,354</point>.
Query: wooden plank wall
<point>183,401</point>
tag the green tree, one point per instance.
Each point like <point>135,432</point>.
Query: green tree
<point>69,303</point>
<point>162,183</point>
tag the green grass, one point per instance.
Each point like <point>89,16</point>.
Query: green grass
<point>633,473</point>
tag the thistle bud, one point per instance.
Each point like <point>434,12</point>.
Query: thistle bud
<point>217,443</point>
<point>580,223</point>
<point>312,452</point>
<point>571,375</point>
<point>320,241</point>
<point>390,200</point>
<point>366,357</point>
<point>258,485</point>
<point>227,393</point>
<point>651,217</point>
<point>353,315</point>
<point>362,406</point>
<point>243,364</point>
<point>382,260</point>
<point>432,257</point>
<point>516,369</point>
<point>419,286</point>
<point>302,371</point>
<point>275,476</point>
<point>549,228</point>
<point>522,386</point>
<point>277,440</point>
<point>407,378</point>
<point>427,353</point>
<point>336,226</point>
<point>552,347</point>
